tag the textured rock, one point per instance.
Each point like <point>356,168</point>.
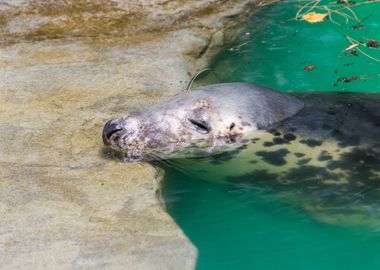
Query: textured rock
<point>65,68</point>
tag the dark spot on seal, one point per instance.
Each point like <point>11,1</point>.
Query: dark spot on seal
<point>274,157</point>
<point>311,142</point>
<point>232,125</point>
<point>290,137</point>
<point>268,144</point>
<point>303,161</point>
<point>324,156</point>
<point>275,132</point>
<point>299,155</point>
<point>242,147</point>
<point>245,124</point>
<point>278,140</point>
<point>254,140</point>
<point>226,156</point>
<point>257,176</point>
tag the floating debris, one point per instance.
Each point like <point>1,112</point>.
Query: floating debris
<point>346,2</point>
<point>237,47</point>
<point>347,80</point>
<point>354,53</point>
<point>329,10</point>
<point>309,68</point>
<point>373,43</point>
<point>359,26</point>
<point>352,46</point>
<point>351,53</point>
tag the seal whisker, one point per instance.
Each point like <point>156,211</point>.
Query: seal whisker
<point>157,158</point>
<point>168,163</point>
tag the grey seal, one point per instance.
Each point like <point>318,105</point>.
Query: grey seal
<point>323,148</point>
<point>203,122</point>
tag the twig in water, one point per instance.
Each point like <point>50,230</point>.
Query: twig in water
<point>357,45</point>
<point>298,15</point>
<point>237,47</point>
<point>330,17</point>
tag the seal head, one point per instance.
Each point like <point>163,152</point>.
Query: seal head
<point>206,121</point>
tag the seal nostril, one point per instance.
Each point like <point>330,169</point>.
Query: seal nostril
<point>109,129</point>
<point>109,134</point>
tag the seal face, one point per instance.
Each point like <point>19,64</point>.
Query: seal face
<point>203,122</point>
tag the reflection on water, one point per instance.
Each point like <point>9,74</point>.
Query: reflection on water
<point>248,225</point>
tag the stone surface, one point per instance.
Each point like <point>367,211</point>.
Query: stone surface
<point>65,68</point>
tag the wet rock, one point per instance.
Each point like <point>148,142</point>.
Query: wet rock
<point>65,68</point>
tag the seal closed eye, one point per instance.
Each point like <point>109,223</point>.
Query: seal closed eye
<point>201,125</point>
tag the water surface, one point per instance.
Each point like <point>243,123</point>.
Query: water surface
<point>249,227</point>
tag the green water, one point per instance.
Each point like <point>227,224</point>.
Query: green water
<point>247,227</point>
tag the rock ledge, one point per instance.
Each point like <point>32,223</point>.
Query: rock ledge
<point>67,67</point>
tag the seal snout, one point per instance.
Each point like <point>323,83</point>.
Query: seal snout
<point>109,129</point>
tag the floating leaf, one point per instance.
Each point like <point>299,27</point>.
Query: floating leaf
<point>313,17</point>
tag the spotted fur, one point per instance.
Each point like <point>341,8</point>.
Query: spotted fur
<point>323,149</point>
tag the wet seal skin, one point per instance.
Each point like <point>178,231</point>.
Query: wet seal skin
<point>313,146</point>
<point>222,117</point>
<point>204,122</point>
